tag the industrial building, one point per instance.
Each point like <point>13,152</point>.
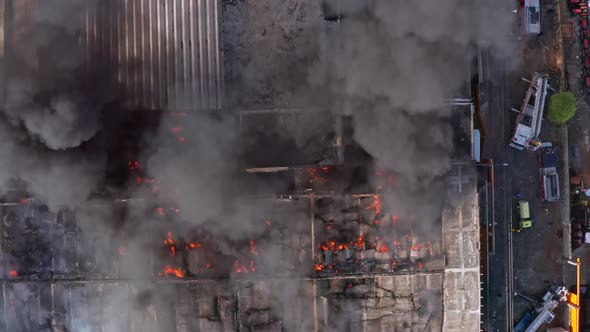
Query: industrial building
<point>329,254</point>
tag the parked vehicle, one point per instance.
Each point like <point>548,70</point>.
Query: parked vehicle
<point>581,11</point>
<point>548,159</point>
<point>530,115</point>
<point>524,216</point>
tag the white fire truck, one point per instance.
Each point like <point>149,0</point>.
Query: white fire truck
<point>530,115</point>
<point>543,313</point>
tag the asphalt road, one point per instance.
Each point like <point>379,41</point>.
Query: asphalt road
<point>495,108</point>
<point>524,262</point>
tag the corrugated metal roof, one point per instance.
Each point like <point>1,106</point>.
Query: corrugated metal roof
<point>165,54</point>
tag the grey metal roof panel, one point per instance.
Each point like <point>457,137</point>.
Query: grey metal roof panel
<point>164,54</point>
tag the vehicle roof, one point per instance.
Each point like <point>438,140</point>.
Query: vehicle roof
<point>521,134</point>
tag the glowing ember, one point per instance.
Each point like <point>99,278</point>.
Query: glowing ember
<point>315,176</point>
<point>133,165</point>
<point>253,248</point>
<point>360,243</point>
<point>169,241</point>
<point>122,251</point>
<point>168,270</point>
<point>342,246</point>
<point>319,267</point>
<point>325,169</point>
<point>160,211</point>
<point>383,248</point>
<point>376,205</point>
<point>420,265</point>
<point>240,268</point>
<point>24,200</point>
<point>12,273</point>
<point>193,245</point>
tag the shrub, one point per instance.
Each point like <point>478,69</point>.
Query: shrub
<point>562,107</point>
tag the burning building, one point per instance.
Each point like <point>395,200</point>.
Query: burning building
<point>285,217</point>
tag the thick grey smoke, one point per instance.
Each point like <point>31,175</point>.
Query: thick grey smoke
<point>52,103</point>
<point>396,64</point>
<point>44,91</point>
<point>392,66</point>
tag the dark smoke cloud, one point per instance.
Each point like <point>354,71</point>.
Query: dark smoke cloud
<point>44,88</point>
<point>392,66</point>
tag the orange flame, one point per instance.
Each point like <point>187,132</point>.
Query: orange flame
<point>168,270</point>
<point>383,248</point>
<point>193,245</point>
<point>360,243</point>
<point>420,265</point>
<point>24,200</point>
<point>240,268</point>
<point>319,267</point>
<point>169,241</point>
<point>376,205</point>
<point>12,273</point>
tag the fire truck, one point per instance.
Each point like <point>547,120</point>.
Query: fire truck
<point>530,115</point>
<point>548,159</point>
<point>543,313</point>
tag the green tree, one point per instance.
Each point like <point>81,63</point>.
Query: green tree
<point>562,107</point>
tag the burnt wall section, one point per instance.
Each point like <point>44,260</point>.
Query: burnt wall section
<point>388,303</point>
